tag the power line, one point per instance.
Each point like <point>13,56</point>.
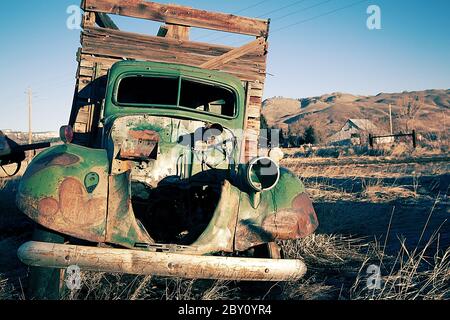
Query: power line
<point>320,16</point>
<point>316,17</point>
<point>284,16</point>
<point>236,12</point>
<point>303,10</point>
<point>252,6</point>
<point>265,14</point>
<point>282,8</point>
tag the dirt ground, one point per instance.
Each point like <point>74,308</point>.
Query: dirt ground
<point>393,216</point>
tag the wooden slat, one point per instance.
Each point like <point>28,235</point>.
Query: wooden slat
<point>236,53</point>
<point>255,100</point>
<point>254,111</point>
<point>180,15</point>
<point>109,36</point>
<point>88,20</point>
<point>178,32</point>
<point>118,44</point>
<point>90,61</point>
<point>253,124</point>
<point>257,85</point>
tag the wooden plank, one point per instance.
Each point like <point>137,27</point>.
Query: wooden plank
<point>240,70</point>
<point>218,62</point>
<point>256,92</point>
<point>180,15</point>
<point>255,100</point>
<point>90,61</point>
<point>118,44</point>
<point>174,32</point>
<point>88,20</point>
<point>109,37</point>
<point>258,85</point>
<point>254,111</point>
<point>253,124</point>
<point>178,32</point>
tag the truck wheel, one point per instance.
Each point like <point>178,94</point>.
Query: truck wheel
<point>46,283</point>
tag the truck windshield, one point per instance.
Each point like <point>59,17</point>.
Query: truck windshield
<point>183,94</point>
<point>148,91</point>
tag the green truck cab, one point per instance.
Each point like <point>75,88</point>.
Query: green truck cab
<point>167,171</point>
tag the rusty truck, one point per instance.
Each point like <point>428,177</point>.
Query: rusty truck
<point>160,173</point>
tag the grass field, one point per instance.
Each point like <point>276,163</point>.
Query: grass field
<point>387,216</point>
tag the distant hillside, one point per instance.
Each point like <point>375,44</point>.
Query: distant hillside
<point>328,113</point>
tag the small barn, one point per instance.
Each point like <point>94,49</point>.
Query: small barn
<point>356,132</point>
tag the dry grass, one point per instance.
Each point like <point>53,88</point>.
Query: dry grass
<point>4,293</point>
<point>411,276</point>
<point>3,182</point>
<point>376,193</point>
<point>337,268</point>
<point>337,265</point>
<point>10,292</point>
<point>331,260</point>
<point>103,286</point>
<point>333,169</point>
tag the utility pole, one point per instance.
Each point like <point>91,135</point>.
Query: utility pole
<point>30,110</point>
<point>390,119</point>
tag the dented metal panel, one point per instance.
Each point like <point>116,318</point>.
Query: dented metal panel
<point>284,213</point>
<point>54,191</point>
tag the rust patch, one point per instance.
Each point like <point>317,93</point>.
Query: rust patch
<point>141,145</point>
<point>75,205</point>
<point>61,159</point>
<point>297,222</point>
<point>65,159</point>
<point>74,212</point>
<point>293,223</point>
<point>48,208</point>
<point>144,135</point>
<point>249,235</point>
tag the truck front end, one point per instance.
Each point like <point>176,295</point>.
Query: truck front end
<point>166,192</point>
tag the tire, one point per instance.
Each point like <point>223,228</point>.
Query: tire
<point>46,283</point>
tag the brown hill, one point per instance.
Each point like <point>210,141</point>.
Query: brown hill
<point>426,111</point>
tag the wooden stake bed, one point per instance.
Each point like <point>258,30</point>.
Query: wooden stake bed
<point>102,44</point>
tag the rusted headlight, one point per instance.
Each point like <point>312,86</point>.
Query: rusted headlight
<point>66,134</point>
<point>263,174</point>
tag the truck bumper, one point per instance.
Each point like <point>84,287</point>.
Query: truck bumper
<point>52,255</point>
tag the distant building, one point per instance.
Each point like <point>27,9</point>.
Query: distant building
<point>356,132</point>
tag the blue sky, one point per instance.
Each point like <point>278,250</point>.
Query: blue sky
<point>324,50</point>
